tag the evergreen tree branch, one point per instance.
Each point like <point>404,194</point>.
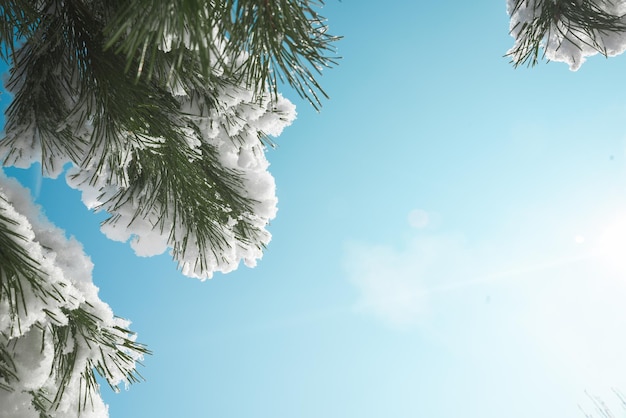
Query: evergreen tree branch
<point>115,358</point>
<point>283,40</point>
<point>201,200</point>
<point>549,24</point>
<point>164,110</point>
<point>76,102</point>
<point>17,270</point>
<point>17,19</point>
<point>53,312</point>
<point>8,373</point>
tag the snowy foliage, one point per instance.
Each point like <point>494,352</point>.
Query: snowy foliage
<point>566,30</point>
<point>163,112</point>
<point>230,137</point>
<point>56,322</point>
<point>160,191</point>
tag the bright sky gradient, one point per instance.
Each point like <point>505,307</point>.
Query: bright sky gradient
<point>451,242</point>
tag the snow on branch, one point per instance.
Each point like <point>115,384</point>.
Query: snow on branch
<point>566,30</point>
<point>55,332</point>
<point>208,195</point>
<point>177,158</point>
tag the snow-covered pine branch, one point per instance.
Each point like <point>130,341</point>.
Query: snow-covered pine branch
<point>164,111</point>
<point>214,215</point>
<point>55,332</point>
<point>177,158</point>
<point>566,30</point>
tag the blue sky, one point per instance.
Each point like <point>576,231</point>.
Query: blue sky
<point>449,241</point>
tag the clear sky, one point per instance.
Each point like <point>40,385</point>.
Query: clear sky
<point>450,242</point>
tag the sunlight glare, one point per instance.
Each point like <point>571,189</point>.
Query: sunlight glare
<point>610,249</point>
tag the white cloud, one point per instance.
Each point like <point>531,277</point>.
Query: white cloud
<point>387,283</point>
<point>394,284</point>
<point>534,297</point>
<point>419,218</point>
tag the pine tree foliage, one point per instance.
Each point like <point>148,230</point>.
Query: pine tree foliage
<point>596,407</point>
<point>153,126</point>
<point>284,40</point>
<point>55,333</point>
<point>566,30</point>
<point>163,111</point>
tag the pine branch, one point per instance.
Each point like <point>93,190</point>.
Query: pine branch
<point>20,274</point>
<point>43,81</point>
<point>578,22</point>
<point>200,197</point>
<point>8,373</point>
<point>41,403</point>
<point>164,109</point>
<point>39,288</point>
<point>17,19</point>
<point>283,40</point>
<point>76,101</point>
<point>84,331</point>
